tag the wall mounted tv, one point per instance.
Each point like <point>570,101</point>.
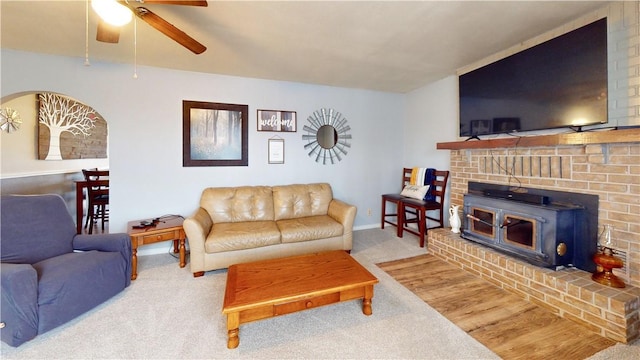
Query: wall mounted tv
<point>559,83</point>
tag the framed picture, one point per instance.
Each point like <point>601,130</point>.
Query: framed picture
<point>480,127</point>
<point>276,120</point>
<point>506,125</point>
<point>214,134</point>
<point>276,151</point>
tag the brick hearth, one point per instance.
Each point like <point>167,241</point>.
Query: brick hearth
<point>569,293</point>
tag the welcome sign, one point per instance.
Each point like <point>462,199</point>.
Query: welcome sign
<point>276,120</point>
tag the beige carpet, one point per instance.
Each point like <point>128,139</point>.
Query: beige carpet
<point>167,314</point>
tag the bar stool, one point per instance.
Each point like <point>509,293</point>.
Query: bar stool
<point>419,208</point>
<point>395,199</point>
<point>97,196</point>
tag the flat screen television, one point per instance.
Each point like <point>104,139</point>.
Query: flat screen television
<point>561,82</point>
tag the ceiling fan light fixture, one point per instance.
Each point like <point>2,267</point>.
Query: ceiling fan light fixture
<point>112,12</point>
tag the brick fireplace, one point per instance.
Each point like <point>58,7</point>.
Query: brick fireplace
<point>606,165</point>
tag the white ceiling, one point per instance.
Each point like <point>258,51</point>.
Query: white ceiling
<point>379,45</point>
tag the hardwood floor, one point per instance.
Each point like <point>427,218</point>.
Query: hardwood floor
<point>505,323</point>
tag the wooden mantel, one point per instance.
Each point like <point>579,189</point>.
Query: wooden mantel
<point>576,138</point>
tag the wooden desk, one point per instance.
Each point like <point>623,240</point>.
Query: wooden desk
<point>169,229</point>
<point>80,186</point>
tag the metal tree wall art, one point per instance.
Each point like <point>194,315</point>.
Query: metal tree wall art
<point>69,129</point>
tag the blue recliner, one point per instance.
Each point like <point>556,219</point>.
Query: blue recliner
<point>49,274</point>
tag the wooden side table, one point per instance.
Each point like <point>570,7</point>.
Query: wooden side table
<point>164,230</point>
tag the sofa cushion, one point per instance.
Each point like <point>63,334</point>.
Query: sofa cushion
<point>241,235</point>
<point>301,200</point>
<point>309,228</point>
<point>237,204</point>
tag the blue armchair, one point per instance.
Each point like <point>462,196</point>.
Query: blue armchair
<point>49,274</point>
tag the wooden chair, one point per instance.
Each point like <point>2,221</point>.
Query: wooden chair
<point>418,208</point>
<point>84,197</point>
<point>97,196</point>
<point>395,199</point>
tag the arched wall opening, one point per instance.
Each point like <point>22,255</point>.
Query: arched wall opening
<point>21,169</point>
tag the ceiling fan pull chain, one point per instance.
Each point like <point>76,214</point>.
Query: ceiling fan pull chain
<point>86,37</point>
<point>135,48</point>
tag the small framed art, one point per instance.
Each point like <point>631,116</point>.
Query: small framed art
<point>277,120</point>
<point>276,151</point>
<point>480,127</point>
<point>505,125</point>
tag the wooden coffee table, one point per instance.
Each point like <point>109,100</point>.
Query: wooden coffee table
<point>264,289</point>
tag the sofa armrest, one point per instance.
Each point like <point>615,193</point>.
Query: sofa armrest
<point>343,213</point>
<point>196,228</point>
<point>19,303</point>
<point>116,242</point>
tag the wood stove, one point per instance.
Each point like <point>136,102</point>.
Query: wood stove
<point>541,227</point>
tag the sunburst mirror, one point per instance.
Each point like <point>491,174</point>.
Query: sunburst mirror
<point>10,120</point>
<point>327,136</point>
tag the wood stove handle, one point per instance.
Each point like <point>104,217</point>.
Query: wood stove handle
<point>480,220</point>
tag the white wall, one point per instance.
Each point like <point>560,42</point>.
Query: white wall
<point>432,117</point>
<point>145,132</point>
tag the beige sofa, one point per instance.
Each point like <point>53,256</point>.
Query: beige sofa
<point>248,223</point>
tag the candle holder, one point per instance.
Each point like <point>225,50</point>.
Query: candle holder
<point>607,261</point>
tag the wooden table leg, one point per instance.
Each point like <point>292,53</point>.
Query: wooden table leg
<point>233,331</point>
<point>134,259</point>
<point>182,253</point>
<point>366,301</point>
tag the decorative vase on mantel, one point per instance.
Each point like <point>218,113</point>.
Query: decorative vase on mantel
<point>606,261</point>
<point>454,218</point>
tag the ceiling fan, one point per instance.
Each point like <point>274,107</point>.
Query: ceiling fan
<point>110,33</point>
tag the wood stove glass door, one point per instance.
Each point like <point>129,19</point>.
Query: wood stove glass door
<point>520,231</point>
<point>484,224</point>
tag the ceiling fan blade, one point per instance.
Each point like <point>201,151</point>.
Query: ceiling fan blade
<point>178,2</point>
<point>107,32</point>
<point>171,31</point>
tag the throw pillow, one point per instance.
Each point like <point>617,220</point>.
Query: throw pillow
<point>415,191</point>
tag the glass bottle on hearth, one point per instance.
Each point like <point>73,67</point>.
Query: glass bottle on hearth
<point>604,241</point>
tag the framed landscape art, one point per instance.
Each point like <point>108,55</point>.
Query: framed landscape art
<point>214,134</point>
